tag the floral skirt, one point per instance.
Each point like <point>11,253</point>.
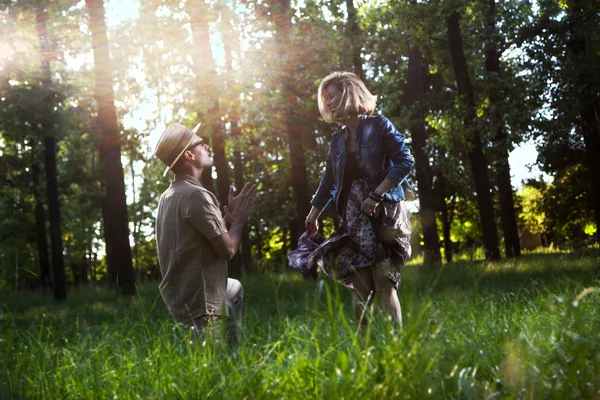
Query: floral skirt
<point>360,242</point>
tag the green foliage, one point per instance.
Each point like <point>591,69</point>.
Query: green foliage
<point>532,213</point>
<point>525,328</point>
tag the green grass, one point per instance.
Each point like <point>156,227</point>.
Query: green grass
<point>518,329</point>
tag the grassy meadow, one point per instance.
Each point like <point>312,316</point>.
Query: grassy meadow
<point>528,328</point>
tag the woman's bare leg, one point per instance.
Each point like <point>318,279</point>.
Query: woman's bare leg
<point>387,294</point>
<point>363,294</point>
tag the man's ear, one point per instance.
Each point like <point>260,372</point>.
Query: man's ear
<point>188,155</point>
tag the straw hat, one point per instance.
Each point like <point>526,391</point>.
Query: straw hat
<point>173,143</point>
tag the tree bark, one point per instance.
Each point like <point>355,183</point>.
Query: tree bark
<point>590,126</point>
<point>354,38</point>
<point>415,97</point>
<point>40,224</point>
<point>114,209</point>
<point>59,283</point>
<point>587,88</point>
<point>207,92</point>
<point>512,245</point>
<point>280,15</point>
<point>475,150</point>
<point>246,253</point>
<point>441,193</point>
<point>242,260</point>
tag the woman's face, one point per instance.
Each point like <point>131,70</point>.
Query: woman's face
<point>333,95</point>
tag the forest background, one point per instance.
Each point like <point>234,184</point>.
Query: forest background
<point>82,103</point>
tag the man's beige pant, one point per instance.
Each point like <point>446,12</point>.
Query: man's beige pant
<point>235,301</point>
<point>213,325</point>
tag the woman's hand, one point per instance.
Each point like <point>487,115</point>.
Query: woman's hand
<point>369,206</point>
<point>311,227</point>
<point>311,223</point>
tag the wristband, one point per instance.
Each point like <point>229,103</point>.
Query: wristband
<point>375,196</point>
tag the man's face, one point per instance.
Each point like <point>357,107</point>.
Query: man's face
<point>199,149</point>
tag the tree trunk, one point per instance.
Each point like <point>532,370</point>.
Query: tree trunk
<point>220,161</point>
<point>512,244</point>
<point>441,194</point>
<point>280,15</point>
<point>415,97</point>
<point>475,150</point>
<point>590,125</point>
<point>114,210</point>
<point>446,222</point>
<point>245,258</point>
<point>354,39</point>
<point>207,94</point>
<point>40,224</point>
<point>581,55</point>
<point>40,218</point>
<point>136,221</point>
<point>59,283</point>
<point>85,270</point>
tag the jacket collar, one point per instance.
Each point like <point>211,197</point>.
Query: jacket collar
<point>342,130</point>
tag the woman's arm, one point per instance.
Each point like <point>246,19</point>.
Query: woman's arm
<point>326,190</point>
<point>327,186</point>
<point>398,152</point>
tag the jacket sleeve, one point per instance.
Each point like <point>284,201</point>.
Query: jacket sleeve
<point>327,187</point>
<point>397,151</point>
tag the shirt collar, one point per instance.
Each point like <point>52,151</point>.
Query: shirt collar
<point>187,178</point>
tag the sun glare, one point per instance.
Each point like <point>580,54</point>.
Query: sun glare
<point>121,11</point>
<point>6,52</point>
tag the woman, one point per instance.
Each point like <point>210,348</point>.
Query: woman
<point>366,168</point>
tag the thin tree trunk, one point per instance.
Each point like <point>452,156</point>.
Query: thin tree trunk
<point>475,150</point>
<point>446,231</point>
<point>207,92</point>
<point>285,249</point>
<point>85,271</point>
<point>280,16</point>
<point>136,223</point>
<point>441,193</point>
<point>40,224</point>
<point>242,259</point>
<point>220,160</point>
<point>114,210</point>
<point>258,240</point>
<point>59,283</point>
<point>415,97</point>
<point>246,254</point>
<point>354,39</point>
<point>512,245</point>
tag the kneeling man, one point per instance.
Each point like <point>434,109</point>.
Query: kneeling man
<point>193,240</point>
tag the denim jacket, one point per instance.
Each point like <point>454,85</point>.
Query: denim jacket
<point>380,153</point>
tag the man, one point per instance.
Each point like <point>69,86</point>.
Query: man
<point>193,241</point>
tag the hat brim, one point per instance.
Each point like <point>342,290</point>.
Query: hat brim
<point>195,130</point>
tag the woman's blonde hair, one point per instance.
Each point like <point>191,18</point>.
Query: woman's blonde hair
<point>355,98</point>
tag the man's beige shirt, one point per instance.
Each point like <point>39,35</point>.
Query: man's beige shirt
<point>194,276</point>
